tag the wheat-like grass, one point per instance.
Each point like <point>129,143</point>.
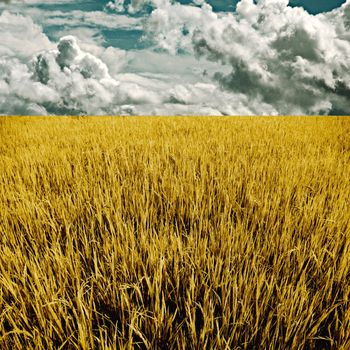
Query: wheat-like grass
<point>174,233</point>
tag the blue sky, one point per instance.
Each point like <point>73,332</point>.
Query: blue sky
<point>186,57</point>
<point>317,6</point>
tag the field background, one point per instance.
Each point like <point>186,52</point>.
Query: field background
<point>174,233</point>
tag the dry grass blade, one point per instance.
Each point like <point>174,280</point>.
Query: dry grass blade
<point>175,233</point>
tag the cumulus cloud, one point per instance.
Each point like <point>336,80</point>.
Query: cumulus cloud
<point>132,6</point>
<point>296,62</point>
<point>68,80</point>
<point>20,36</point>
<point>19,94</point>
<point>265,58</point>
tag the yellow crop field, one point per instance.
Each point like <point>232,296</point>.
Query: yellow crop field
<point>175,233</point>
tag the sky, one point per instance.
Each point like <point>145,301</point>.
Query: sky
<point>163,57</point>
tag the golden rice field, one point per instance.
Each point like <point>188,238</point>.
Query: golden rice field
<point>175,233</point>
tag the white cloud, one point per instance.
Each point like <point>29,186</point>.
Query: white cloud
<point>96,18</point>
<point>68,80</point>
<point>266,58</point>
<point>296,62</point>
<point>19,94</point>
<point>78,18</point>
<point>171,26</point>
<point>132,7</point>
<point>20,36</point>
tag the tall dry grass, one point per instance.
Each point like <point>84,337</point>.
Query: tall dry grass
<point>174,233</point>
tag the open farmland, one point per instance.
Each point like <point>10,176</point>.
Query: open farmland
<point>175,233</point>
